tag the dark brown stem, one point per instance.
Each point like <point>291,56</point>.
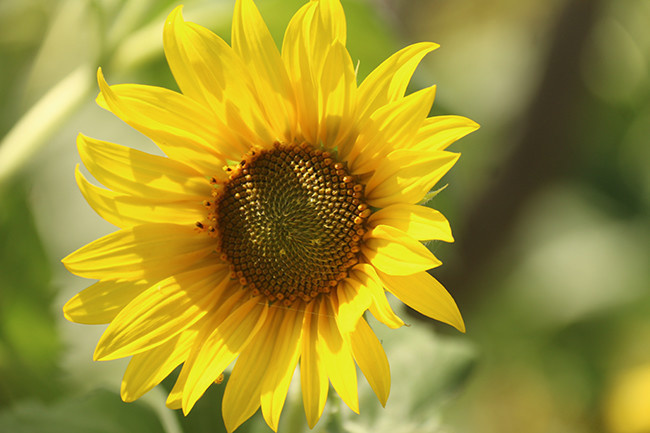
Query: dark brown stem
<point>543,154</point>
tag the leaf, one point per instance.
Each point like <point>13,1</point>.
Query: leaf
<point>426,371</point>
<point>27,327</point>
<point>99,411</point>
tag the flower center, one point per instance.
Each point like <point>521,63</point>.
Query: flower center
<point>289,221</point>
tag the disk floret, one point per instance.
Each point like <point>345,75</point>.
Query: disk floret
<point>289,220</point>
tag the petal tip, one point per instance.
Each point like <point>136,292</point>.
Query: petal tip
<point>173,402</point>
<point>428,46</point>
<point>103,352</point>
<point>125,395</point>
<point>67,316</point>
<point>460,325</point>
<point>187,402</point>
<point>383,399</point>
<point>100,76</point>
<point>97,355</point>
<point>174,17</point>
<point>104,89</point>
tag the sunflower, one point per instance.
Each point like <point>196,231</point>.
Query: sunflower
<point>284,209</point>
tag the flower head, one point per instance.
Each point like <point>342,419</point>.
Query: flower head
<point>284,209</point>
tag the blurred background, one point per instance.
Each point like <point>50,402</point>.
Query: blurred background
<point>550,206</point>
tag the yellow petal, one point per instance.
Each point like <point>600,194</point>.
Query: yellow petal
<point>175,397</point>
<point>208,70</point>
<point>148,369</point>
<point>242,396</point>
<point>393,126</point>
<point>161,312</point>
<point>151,251</point>
<point>370,356</point>
<point>313,377</point>
<point>332,21</point>
<point>281,366</point>
<point>379,307</point>
<point>127,211</point>
<point>406,176</point>
<point>188,65</point>
<point>101,302</point>
<point>224,336</point>
<point>230,299</point>
<point>426,295</point>
<point>320,69</point>
<point>388,82</point>
<point>181,127</point>
<point>439,132</point>
<point>252,41</point>
<point>394,252</point>
<point>337,97</point>
<point>419,222</point>
<point>320,30</point>
<point>335,353</point>
<point>352,300</point>
<point>130,171</point>
<point>297,58</point>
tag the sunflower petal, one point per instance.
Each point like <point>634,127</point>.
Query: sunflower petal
<point>332,19</point>
<point>187,64</point>
<point>208,70</point>
<point>405,176</point>
<point>370,356</point>
<point>439,132</point>
<point>175,397</point>
<point>148,369</point>
<point>313,377</point>
<point>125,210</point>
<point>242,396</point>
<point>337,97</point>
<point>130,171</point>
<point>297,59</point>
<point>426,295</point>
<point>352,300</point>
<point>419,222</point>
<point>176,123</point>
<point>335,353</point>
<point>161,312</point>
<point>391,127</point>
<point>230,297</point>
<point>281,367</point>
<point>101,302</point>
<point>252,41</point>
<point>228,333</point>
<point>388,82</point>
<point>394,252</point>
<point>150,251</point>
<point>327,28</point>
<point>379,307</point>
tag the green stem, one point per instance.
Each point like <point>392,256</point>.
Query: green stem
<point>37,125</point>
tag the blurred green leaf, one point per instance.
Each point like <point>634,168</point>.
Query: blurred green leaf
<point>29,344</point>
<point>427,371</point>
<point>99,411</point>
<point>205,416</point>
<point>23,25</point>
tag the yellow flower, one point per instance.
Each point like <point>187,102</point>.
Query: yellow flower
<point>285,208</point>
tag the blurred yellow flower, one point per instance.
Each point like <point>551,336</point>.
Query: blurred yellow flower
<point>285,207</point>
<point>627,409</point>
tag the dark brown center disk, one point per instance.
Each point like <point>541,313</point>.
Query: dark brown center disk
<point>290,221</point>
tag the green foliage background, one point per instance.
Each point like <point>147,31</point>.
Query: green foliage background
<point>550,206</point>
